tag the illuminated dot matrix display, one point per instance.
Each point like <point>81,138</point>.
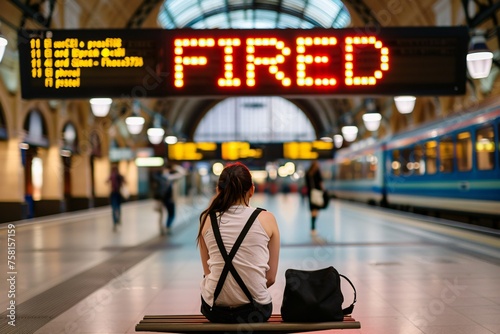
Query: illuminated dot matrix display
<point>283,62</point>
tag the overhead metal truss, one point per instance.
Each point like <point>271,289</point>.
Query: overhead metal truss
<point>364,12</point>
<point>142,13</point>
<point>487,10</point>
<point>31,10</point>
<point>359,6</point>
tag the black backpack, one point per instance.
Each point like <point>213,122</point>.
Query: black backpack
<point>314,296</point>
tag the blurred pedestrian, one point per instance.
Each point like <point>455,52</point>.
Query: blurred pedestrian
<point>117,182</point>
<point>159,184</point>
<point>314,180</point>
<point>169,176</point>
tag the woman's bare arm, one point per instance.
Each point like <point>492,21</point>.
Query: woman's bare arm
<point>271,226</point>
<point>204,255</point>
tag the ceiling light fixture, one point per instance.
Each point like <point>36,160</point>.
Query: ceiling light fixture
<point>479,58</point>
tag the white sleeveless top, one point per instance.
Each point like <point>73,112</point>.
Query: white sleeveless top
<point>251,260</point>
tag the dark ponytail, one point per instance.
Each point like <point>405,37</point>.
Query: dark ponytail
<point>234,183</point>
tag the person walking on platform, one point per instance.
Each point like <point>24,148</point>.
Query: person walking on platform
<point>235,237</point>
<point>159,184</point>
<point>115,197</point>
<point>314,180</point>
<point>166,181</point>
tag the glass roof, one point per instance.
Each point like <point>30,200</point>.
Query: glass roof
<point>253,14</point>
<point>255,119</point>
<point>283,120</point>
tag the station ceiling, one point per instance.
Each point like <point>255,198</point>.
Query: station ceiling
<point>324,113</point>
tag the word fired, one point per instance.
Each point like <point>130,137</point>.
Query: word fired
<point>320,61</point>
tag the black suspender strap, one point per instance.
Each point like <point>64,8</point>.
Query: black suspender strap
<point>228,258</point>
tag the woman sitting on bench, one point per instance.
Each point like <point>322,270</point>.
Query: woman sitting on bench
<point>239,247</point>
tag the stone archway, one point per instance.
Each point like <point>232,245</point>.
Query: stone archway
<point>35,139</point>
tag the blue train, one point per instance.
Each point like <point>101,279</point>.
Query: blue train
<point>450,165</point>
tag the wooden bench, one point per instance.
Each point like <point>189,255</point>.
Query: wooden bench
<point>199,324</point>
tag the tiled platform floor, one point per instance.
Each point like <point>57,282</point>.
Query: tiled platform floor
<point>412,276</point>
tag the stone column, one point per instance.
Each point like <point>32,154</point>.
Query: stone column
<point>12,204</point>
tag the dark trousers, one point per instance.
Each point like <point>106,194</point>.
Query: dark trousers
<point>248,313</point>
<point>116,201</point>
<point>170,206</point>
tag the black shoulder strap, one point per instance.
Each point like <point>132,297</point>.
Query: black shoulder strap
<point>348,310</point>
<point>228,258</point>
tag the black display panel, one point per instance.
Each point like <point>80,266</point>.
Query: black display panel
<point>226,62</point>
<point>66,64</point>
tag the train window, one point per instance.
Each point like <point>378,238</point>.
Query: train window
<point>358,168</point>
<point>485,148</point>
<point>406,163</point>
<point>395,165</point>
<point>419,160</point>
<point>446,155</point>
<point>464,151</point>
<point>431,157</point>
<point>371,166</point>
<point>346,170</point>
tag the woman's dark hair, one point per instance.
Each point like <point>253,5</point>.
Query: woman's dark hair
<point>234,182</point>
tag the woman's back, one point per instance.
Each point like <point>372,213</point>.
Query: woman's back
<point>234,287</point>
<point>250,261</point>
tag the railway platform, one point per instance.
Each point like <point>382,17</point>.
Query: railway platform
<point>413,275</point>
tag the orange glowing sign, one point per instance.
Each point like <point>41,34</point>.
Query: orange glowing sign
<point>305,60</point>
<point>222,62</point>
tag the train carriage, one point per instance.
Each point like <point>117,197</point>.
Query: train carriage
<point>358,175</point>
<point>450,165</point>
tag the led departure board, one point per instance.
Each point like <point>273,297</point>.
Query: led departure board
<point>308,150</point>
<point>193,151</point>
<point>92,63</point>
<point>230,151</point>
<point>225,62</point>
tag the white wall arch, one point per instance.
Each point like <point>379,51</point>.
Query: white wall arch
<point>50,119</point>
<point>35,129</point>
<point>73,114</point>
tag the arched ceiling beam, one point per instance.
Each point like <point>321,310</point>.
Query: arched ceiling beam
<point>32,11</point>
<point>315,111</point>
<point>364,12</point>
<point>255,6</point>
<point>485,12</point>
<point>142,13</point>
<point>280,3</point>
<point>227,12</point>
<point>146,7</point>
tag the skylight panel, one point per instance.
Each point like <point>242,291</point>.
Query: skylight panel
<point>288,14</point>
<point>289,21</point>
<point>217,21</point>
<point>295,5</point>
<point>208,5</point>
